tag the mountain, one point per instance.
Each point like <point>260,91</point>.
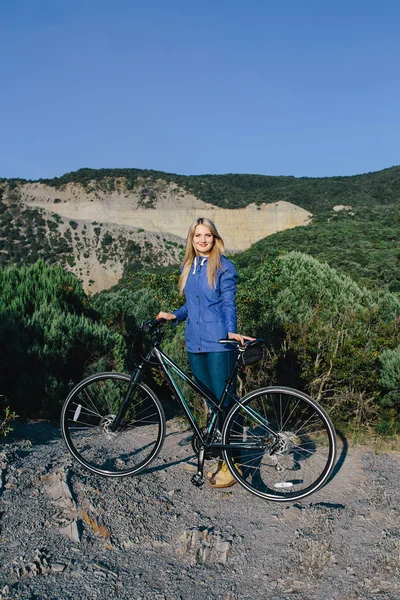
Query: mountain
<point>101,223</point>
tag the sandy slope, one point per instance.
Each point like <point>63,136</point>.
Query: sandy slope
<point>173,211</point>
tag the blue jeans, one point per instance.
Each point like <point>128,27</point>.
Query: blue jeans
<point>211,370</point>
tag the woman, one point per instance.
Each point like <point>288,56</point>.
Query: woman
<point>208,280</point>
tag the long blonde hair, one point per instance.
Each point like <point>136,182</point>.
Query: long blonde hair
<point>214,259</point>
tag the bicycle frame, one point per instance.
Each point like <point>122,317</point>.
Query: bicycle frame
<point>114,424</point>
<point>170,367</point>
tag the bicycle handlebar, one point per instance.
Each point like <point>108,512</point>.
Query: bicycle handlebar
<point>151,325</point>
<point>247,343</point>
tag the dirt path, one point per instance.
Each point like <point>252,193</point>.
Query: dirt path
<point>66,534</point>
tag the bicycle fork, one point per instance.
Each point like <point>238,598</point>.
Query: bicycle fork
<point>135,378</point>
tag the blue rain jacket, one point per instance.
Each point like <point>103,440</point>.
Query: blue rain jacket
<point>210,313</point>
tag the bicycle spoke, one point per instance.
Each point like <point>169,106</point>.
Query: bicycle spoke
<point>293,461</point>
<point>89,414</point>
<point>92,403</point>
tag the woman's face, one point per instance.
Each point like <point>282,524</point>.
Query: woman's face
<point>203,240</point>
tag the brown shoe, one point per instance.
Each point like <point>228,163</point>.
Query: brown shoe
<point>216,468</point>
<point>221,477</point>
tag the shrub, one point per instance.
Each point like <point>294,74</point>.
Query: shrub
<point>334,329</point>
<point>5,421</point>
<point>51,338</point>
<point>107,239</point>
<point>390,377</point>
<point>123,310</point>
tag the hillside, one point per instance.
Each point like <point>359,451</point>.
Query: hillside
<point>164,208</point>
<point>361,242</point>
<point>95,249</point>
<point>315,195</point>
<point>100,229</point>
<point>101,223</point>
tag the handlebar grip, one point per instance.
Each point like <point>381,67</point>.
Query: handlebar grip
<point>151,324</point>
<point>247,343</point>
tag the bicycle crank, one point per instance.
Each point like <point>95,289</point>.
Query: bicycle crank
<point>198,478</point>
<point>209,453</point>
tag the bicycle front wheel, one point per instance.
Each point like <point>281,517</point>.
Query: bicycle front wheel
<point>288,444</point>
<point>86,420</point>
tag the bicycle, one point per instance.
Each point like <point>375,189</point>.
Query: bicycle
<point>278,442</point>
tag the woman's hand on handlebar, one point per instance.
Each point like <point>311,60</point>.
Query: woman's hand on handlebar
<point>166,316</point>
<point>240,338</point>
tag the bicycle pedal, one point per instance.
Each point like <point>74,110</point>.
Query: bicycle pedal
<point>197,480</point>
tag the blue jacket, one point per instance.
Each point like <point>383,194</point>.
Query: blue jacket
<point>210,313</point>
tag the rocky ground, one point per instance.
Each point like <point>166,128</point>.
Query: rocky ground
<point>66,534</point>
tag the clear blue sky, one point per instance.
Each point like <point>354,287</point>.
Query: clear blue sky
<point>304,88</point>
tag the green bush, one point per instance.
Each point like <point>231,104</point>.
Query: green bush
<point>125,309</point>
<point>334,330</point>
<point>51,338</point>
<point>6,418</point>
<point>324,333</point>
<point>390,377</point>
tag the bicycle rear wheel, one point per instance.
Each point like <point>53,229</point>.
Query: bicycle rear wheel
<point>291,444</point>
<point>88,413</point>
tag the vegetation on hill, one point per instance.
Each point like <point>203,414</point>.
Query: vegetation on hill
<point>236,191</point>
<point>51,338</point>
<point>362,243</point>
<point>325,334</point>
<point>28,234</point>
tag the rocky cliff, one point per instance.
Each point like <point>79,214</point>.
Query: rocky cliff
<point>104,228</point>
<point>170,210</point>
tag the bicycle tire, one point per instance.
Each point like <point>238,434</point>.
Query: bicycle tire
<point>302,460</point>
<point>88,412</point>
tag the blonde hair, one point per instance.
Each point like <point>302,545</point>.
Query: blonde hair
<point>214,259</point>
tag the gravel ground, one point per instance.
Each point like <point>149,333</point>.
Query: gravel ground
<point>66,534</point>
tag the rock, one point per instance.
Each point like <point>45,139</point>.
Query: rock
<point>58,567</point>
<point>205,545</point>
<point>24,571</point>
<point>10,485</point>
<point>23,471</point>
<point>58,490</point>
<point>104,569</point>
<point>71,531</point>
